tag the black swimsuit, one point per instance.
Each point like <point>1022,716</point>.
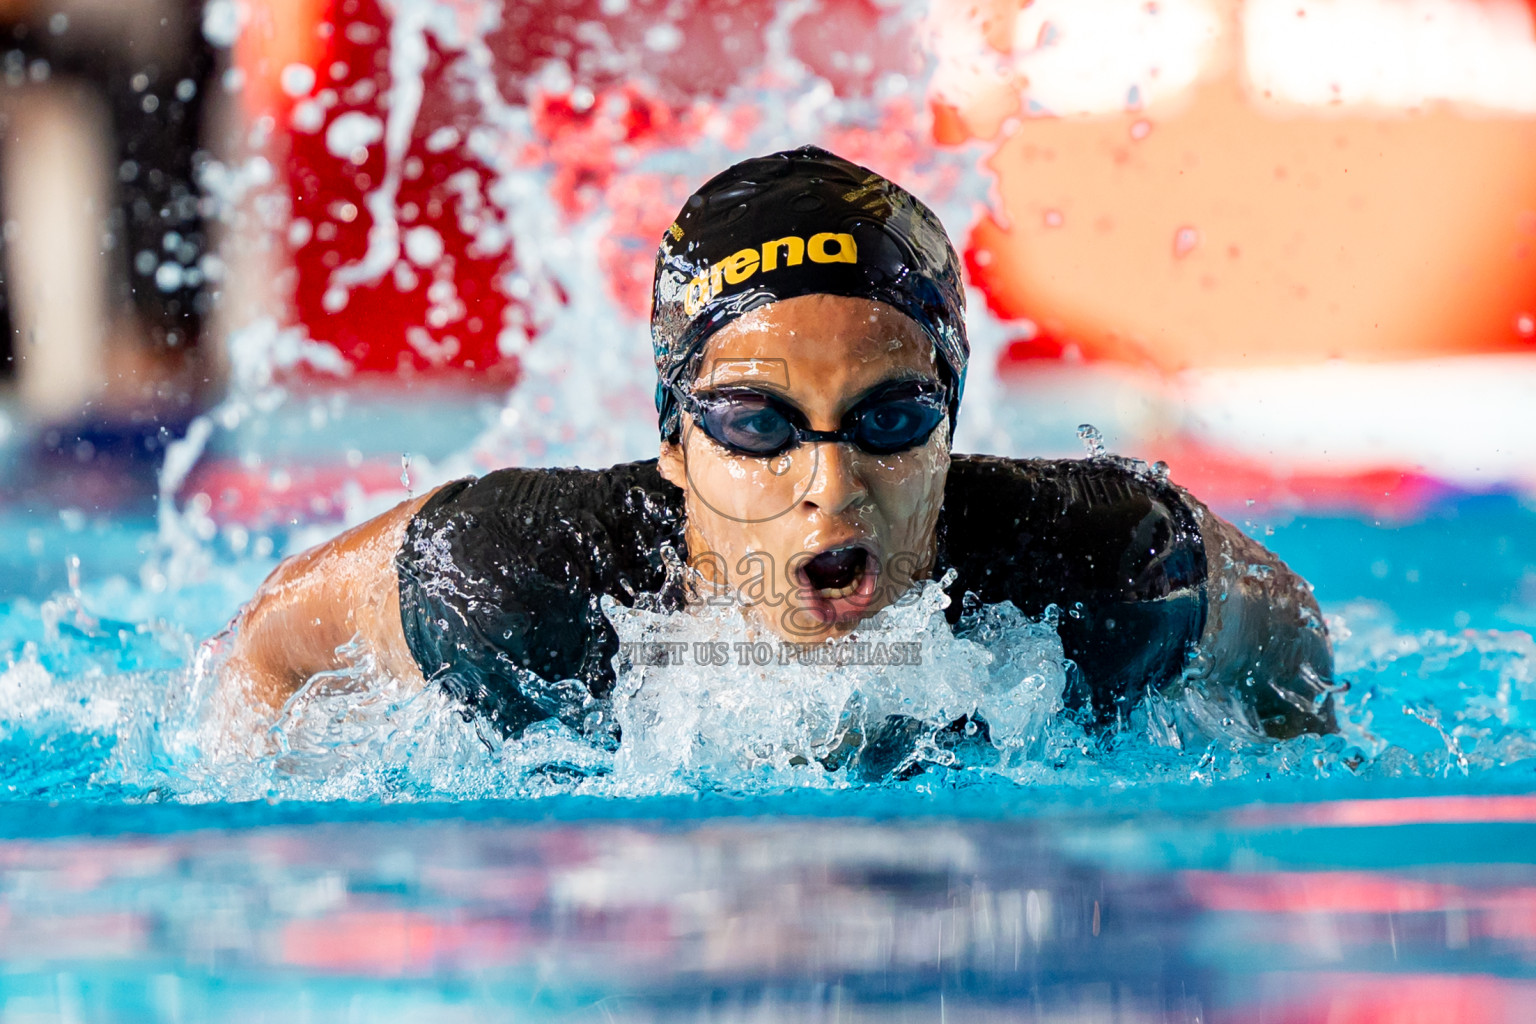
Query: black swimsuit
<point>500,577</point>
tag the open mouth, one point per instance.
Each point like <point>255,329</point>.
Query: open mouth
<point>839,572</point>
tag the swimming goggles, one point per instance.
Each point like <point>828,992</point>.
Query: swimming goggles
<point>894,418</point>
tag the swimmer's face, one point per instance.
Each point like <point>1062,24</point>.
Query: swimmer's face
<point>822,536</point>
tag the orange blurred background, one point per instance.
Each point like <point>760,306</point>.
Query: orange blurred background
<point>1220,226</point>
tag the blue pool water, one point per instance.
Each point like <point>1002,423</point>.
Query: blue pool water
<point>408,871</point>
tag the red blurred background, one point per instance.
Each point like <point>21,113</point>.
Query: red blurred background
<point>1212,226</point>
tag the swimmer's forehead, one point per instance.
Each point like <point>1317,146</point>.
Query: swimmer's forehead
<point>819,340</point>
<point>806,324</point>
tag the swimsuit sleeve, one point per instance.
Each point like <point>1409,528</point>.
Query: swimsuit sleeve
<point>1154,589</point>
<point>500,580</point>
<point>1118,551</point>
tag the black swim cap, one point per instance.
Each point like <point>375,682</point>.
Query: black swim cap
<point>801,222</point>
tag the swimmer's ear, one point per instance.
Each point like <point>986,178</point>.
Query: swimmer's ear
<point>672,464</point>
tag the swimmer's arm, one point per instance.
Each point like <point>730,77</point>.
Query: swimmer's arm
<point>318,601</point>
<point>1265,638</point>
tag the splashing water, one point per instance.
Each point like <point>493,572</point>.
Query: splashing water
<point>731,704</point>
<point>115,700</point>
<point>1093,440</point>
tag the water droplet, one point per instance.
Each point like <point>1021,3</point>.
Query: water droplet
<point>1184,242</point>
<point>169,276</point>
<point>405,471</point>
<point>1093,440</point>
<point>221,22</point>
<point>1140,129</point>
<point>334,300</point>
<point>297,80</point>
<point>1053,219</point>
<point>663,38</point>
<point>1525,324</point>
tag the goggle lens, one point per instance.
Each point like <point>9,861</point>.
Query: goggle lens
<point>896,426</point>
<point>749,423</point>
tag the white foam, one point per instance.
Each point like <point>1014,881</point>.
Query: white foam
<point>742,721</point>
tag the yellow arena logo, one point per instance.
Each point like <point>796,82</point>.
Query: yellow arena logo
<point>826,247</point>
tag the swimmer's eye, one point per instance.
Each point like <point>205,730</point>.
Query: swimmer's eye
<point>747,422</point>
<point>754,427</point>
<point>897,425</point>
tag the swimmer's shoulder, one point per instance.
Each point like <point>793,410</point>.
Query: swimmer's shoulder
<point>501,576</point>
<point>1106,525</point>
<point>627,486</point>
<point>986,486</point>
<point>1110,542</point>
<point>522,530</point>
<point>1063,483</point>
<point>532,503</point>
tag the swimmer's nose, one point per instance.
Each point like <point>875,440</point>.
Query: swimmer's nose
<point>837,485</point>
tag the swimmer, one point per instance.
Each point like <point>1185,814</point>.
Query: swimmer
<point>809,340</point>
